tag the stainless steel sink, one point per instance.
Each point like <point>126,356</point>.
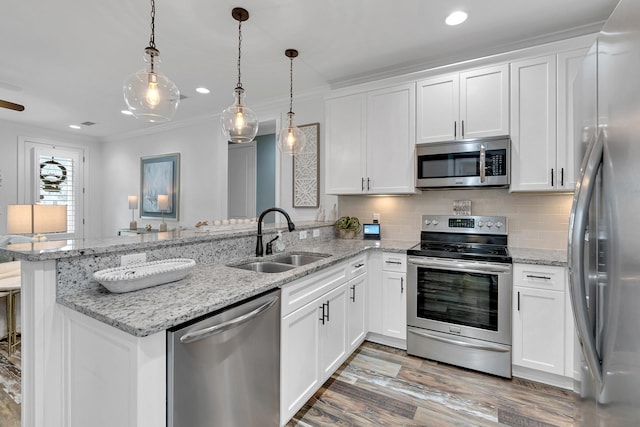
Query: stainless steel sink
<point>265,266</point>
<point>299,259</point>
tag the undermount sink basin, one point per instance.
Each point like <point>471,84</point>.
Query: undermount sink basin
<point>300,259</point>
<point>265,266</point>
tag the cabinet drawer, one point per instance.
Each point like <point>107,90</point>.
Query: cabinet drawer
<point>539,276</point>
<point>357,266</point>
<point>302,291</point>
<point>394,262</point>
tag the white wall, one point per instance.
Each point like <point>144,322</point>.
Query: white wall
<point>203,175</point>
<point>9,134</point>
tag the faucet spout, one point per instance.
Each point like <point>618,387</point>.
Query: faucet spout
<point>290,225</point>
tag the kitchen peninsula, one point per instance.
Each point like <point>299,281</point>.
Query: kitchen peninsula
<point>87,351</point>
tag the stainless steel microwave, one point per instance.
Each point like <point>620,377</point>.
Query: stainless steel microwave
<point>481,162</point>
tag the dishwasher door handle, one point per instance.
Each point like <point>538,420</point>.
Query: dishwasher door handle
<point>230,324</point>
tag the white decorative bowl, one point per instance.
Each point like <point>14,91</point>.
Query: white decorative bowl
<point>134,277</point>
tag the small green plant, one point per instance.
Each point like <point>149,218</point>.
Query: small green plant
<point>348,223</point>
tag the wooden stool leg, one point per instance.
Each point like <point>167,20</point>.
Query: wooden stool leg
<point>12,339</point>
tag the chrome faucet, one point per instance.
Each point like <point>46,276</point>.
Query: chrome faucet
<point>290,225</point>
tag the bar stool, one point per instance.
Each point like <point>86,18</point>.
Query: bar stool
<point>10,282</point>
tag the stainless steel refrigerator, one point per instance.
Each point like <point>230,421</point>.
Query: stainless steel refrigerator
<point>604,228</point>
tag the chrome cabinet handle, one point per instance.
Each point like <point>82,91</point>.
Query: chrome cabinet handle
<point>462,126</point>
<point>393,262</point>
<point>402,285</point>
<point>363,183</point>
<point>533,276</point>
<point>225,326</point>
<point>368,184</point>
<point>455,129</point>
<point>353,293</point>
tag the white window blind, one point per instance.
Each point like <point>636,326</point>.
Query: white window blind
<point>56,185</point>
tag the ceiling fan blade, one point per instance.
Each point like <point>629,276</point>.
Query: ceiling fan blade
<point>11,105</point>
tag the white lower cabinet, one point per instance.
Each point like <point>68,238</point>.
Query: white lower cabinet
<point>542,337</point>
<point>394,295</point>
<point>323,321</point>
<point>357,288</point>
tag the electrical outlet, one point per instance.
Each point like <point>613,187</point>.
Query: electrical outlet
<point>376,217</point>
<point>133,259</point>
<point>303,234</point>
<point>316,233</point>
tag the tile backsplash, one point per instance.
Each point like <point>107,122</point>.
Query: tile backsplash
<point>537,221</point>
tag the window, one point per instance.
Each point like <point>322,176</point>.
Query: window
<point>53,175</point>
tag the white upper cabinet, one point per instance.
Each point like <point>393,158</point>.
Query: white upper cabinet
<point>464,105</point>
<point>542,134</point>
<point>370,142</point>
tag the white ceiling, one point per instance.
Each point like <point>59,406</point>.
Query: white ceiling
<point>65,60</point>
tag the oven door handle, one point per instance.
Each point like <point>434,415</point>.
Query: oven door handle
<point>467,266</point>
<point>489,347</point>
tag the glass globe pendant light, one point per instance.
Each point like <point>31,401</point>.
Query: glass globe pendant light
<point>239,123</point>
<point>291,139</point>
<point>150,95</point>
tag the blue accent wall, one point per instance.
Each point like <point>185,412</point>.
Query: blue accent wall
<point>266,175</point>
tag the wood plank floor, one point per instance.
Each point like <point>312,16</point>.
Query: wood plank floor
<point>382,386</point>
<point>10,396</point>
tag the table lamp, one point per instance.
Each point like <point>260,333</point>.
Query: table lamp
<point>133,205</point>
<point>163,205</point>
<point>36,219</point>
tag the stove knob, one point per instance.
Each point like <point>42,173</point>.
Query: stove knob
<point>499,224</point>
<point>480,224</point>
<point>434,222</point>
<point>489,224</point>
<point>427,222</point>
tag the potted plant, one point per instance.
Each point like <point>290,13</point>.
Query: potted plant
<point>348,227</point>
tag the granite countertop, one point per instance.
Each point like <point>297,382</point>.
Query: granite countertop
<point>60,249</point>
<point>206,289</point>
<point>539,256</point>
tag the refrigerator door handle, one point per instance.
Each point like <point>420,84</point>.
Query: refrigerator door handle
<point>577,229</point>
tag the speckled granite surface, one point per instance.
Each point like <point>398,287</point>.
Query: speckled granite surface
<point>208,288</point>
<point>538,256</point>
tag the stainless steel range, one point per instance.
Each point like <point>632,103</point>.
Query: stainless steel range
<point>459,293</point>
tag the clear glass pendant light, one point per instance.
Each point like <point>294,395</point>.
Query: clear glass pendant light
<point>291,139</point>
<point>239,123</point>
<point>150,95</point>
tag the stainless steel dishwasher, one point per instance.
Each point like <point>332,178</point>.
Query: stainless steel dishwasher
<point>224,369</point>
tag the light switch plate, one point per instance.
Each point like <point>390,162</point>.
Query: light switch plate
<point>316,233</point>
<point>303,234</point>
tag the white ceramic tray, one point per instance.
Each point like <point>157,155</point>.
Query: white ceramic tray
<point>144,275</point>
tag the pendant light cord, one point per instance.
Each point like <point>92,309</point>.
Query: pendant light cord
<point>291,86</point>
<point>239,51</point>
<point>152,38</point>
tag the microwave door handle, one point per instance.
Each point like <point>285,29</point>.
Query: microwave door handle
<point>483,160</point>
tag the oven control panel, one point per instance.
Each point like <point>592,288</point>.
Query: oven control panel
<point>465,224</point>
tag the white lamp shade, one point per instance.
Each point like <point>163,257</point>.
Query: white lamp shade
<point>133,202</point>
<point>27,219</point>
<point>163,202</point>
<point>19,219</point>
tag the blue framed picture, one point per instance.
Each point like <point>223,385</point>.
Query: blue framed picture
<point>159,175</point>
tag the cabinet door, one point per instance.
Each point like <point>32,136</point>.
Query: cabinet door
<point>533,124</point>
<point>333,333</point>
<point>538,329</point>
<point>390,140</point>
<point>484,102</point>
<point>394,309</point>
<point>300,345</point>
<point>568,151</point>
<point>438,108</point>
<point>345,139</point>
<point>357,318</point>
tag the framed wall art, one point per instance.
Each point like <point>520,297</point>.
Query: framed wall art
<point>160,175</point>
<point>306,169</point>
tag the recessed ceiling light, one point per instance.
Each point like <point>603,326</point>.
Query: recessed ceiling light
<point>75,127</point>
<point>202,90</point>
<point>457,17</point>
<point>127,112</point>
